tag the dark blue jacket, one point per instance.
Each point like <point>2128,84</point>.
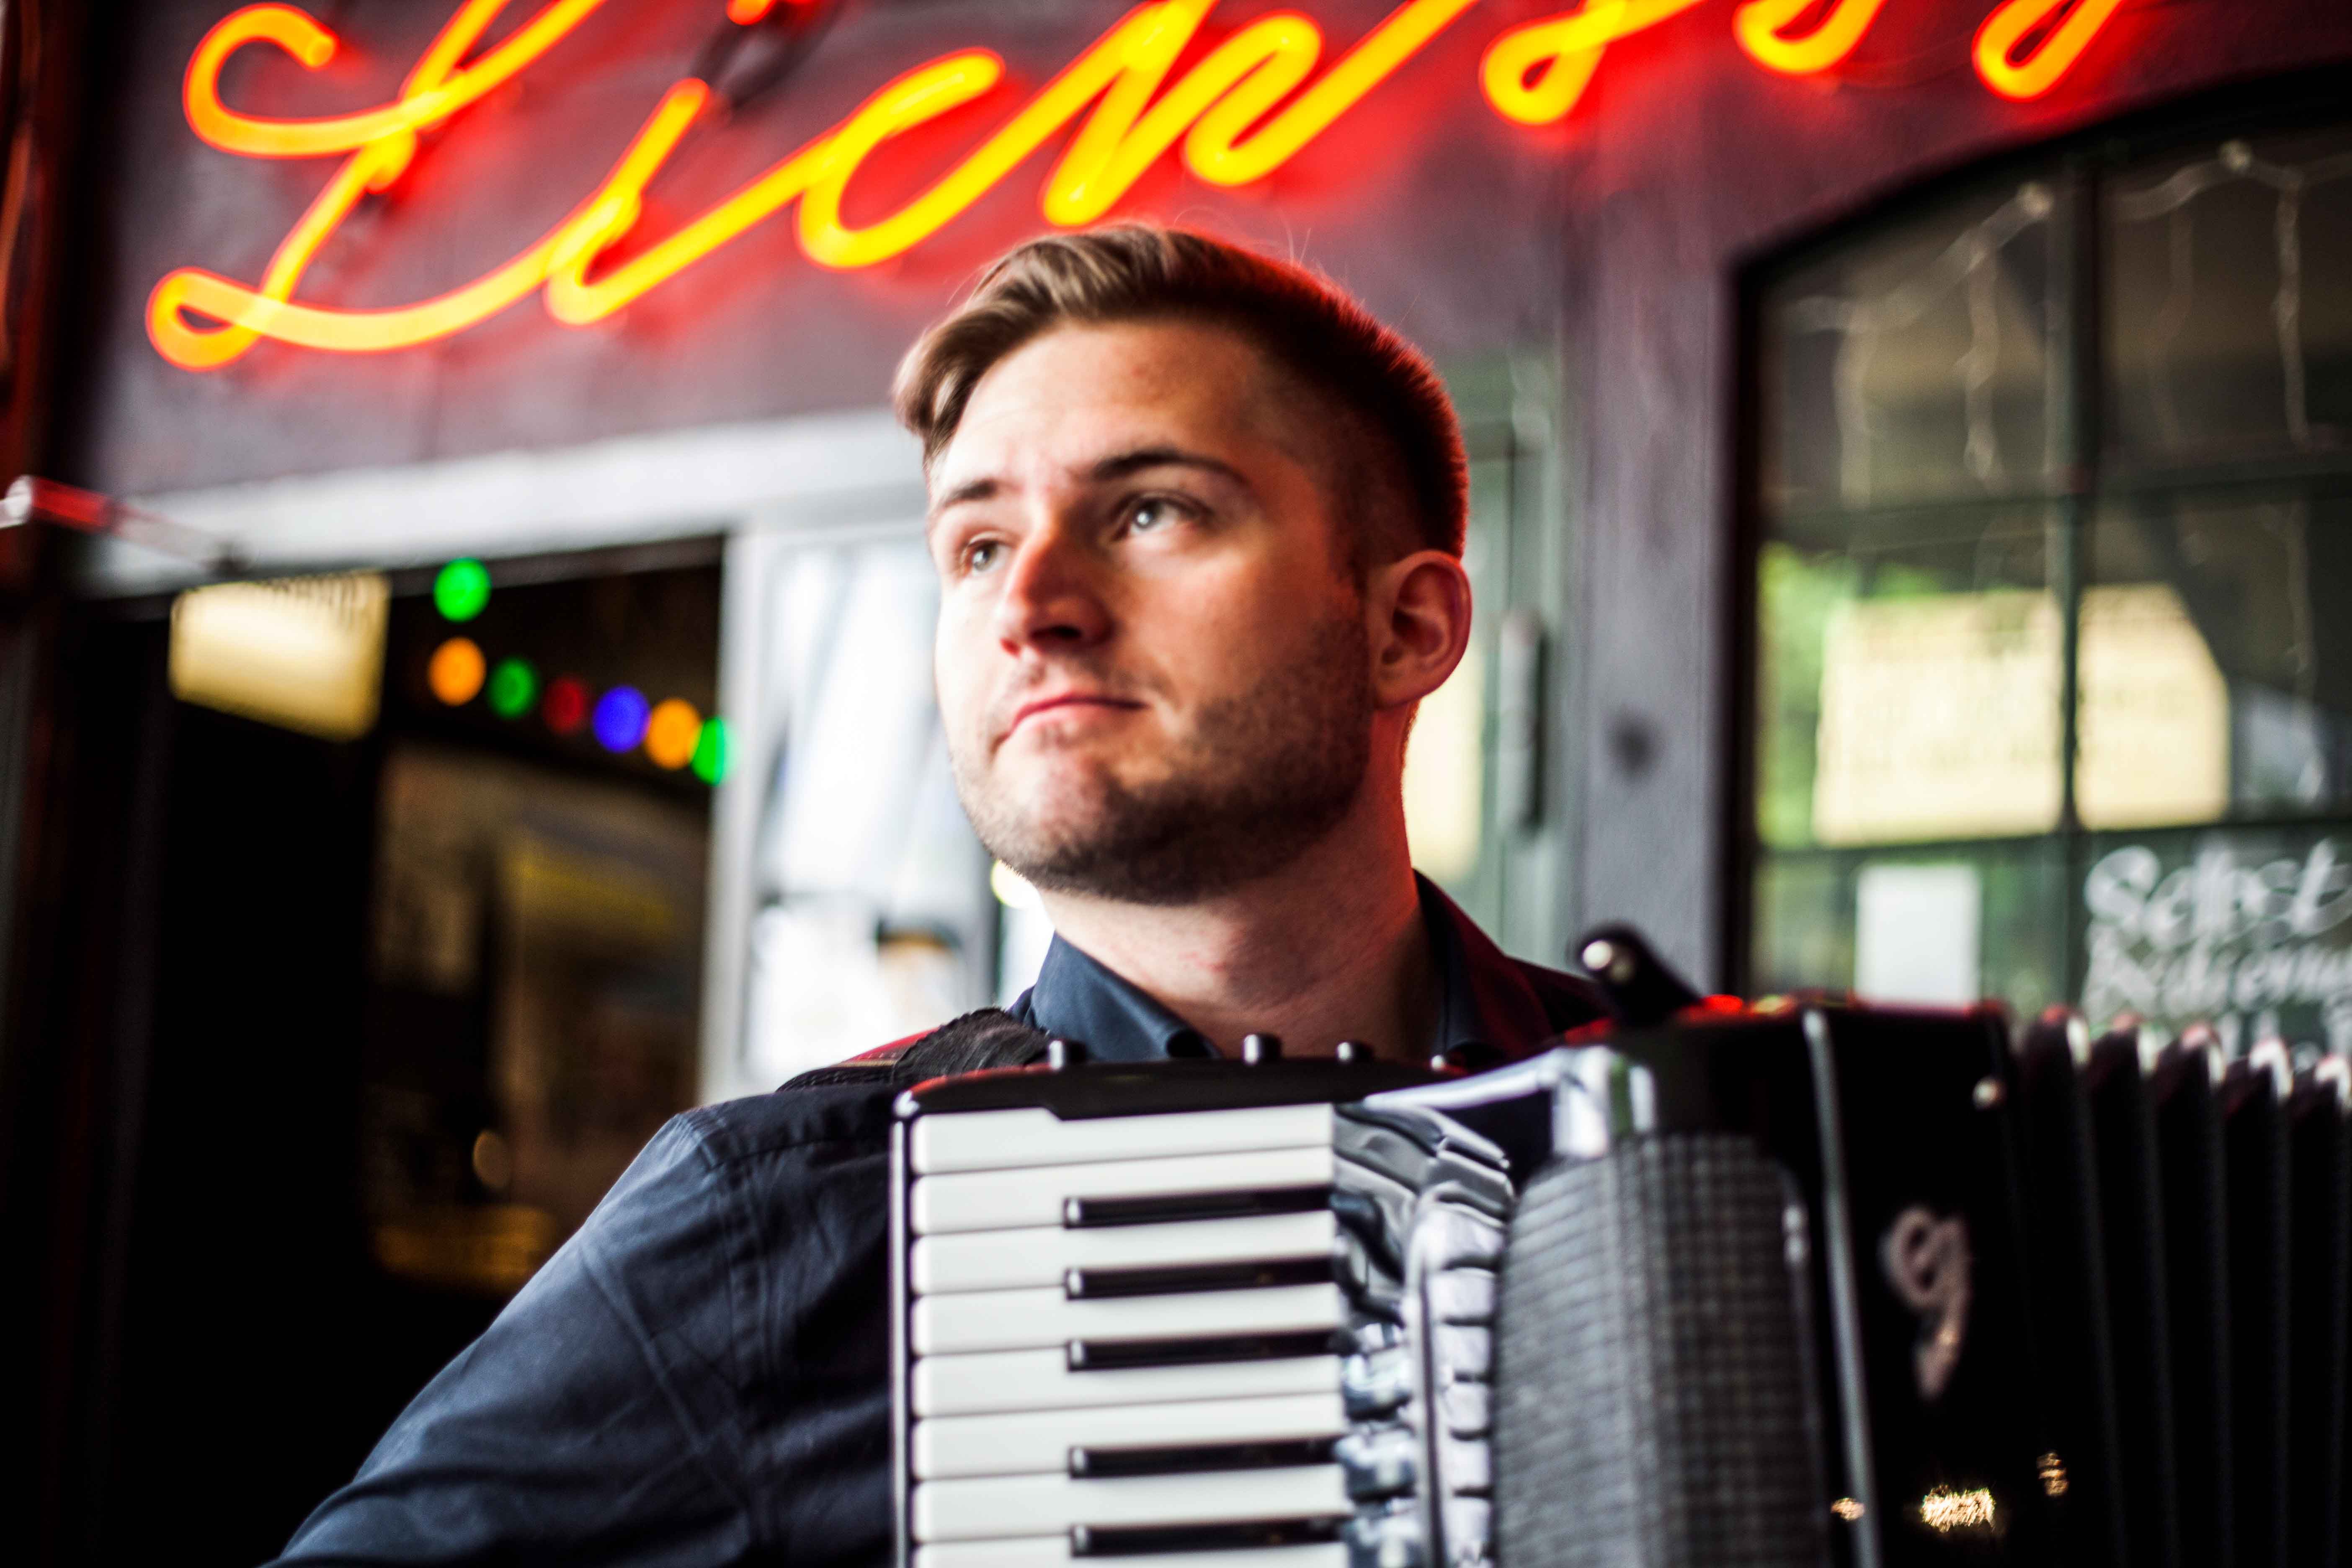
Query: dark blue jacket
<point>698,1376</point>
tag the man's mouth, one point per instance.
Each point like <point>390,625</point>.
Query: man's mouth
<point>1064,701</point>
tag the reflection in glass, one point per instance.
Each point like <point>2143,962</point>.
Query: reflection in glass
<point>1991,906</point>
<point>2229,292</point>
<point>1915,364</point>
<point>1940,718</point>
<point>2262,587</point>
<point>1908,683</point>
<point>1916,928</point>
<point>2152,712</point>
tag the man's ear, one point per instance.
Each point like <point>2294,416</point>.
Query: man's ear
<point>1418,611</point>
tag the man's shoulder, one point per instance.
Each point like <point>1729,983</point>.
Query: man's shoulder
<point>845,1103</point>
<point>856,1111</point>
<point>985,1038</point>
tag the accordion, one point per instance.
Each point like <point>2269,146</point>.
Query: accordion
<point>1812,1284</point>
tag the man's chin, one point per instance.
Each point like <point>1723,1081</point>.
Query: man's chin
<point>1036,843</point>
<point>1060,825</point>
<point>1062,789</point>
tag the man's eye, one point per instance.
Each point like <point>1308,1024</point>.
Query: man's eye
<point>1154,512</point>
<point>981,554</point>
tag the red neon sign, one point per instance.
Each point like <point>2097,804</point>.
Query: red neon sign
<point>1239,113</point>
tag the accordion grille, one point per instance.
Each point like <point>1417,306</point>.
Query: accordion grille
<point>1651,1366</point>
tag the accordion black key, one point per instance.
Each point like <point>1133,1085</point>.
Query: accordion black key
<point>1820,1285</point>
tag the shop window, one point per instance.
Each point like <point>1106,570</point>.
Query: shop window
<point>2053,657</point>
<point>865,901</point>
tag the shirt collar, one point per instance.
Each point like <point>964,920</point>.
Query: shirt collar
<point>1076,998</point>
<point>1484,1007</point>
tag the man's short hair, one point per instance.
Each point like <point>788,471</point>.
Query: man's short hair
<point>1303,322</point>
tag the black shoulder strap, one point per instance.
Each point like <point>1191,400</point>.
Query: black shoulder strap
<point>987,1037</point>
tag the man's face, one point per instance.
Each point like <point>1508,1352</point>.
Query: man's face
<point>1152,667</point>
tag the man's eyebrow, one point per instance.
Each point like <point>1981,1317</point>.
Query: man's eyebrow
<point>969,491</point>
<point>1118,465</point>
<point>1121,465</point>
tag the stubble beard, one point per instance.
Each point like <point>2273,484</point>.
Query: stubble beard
<point>1263,778</point>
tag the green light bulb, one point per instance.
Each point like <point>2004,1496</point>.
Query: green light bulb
<point>514,687</point>
<point>461,590</point>
<point>710,752</point>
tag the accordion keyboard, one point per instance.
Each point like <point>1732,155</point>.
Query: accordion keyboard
<point>1252,1336</point>
<point>1123,1339</point>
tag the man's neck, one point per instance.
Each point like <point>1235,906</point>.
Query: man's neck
<point>1330,948</point>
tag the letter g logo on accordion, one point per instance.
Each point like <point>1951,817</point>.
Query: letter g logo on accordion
<point>1927,1263</point>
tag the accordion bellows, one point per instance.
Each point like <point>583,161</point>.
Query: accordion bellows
<point>1652,1343</point>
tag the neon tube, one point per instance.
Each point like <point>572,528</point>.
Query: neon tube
<point>1241,112</point>
<point>1563,51</point>
<point>296,33</point>
<point>374,331</point>
<point>1758,25</point>
<point>2051,60</point>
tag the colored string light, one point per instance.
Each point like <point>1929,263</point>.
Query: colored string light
<point>514,687</point>
<point>461,589</point>
<point>456,671</point>
<point>620,721</point>
<point>671,733</point>
<point>711,751</point>
<point>565,707</point>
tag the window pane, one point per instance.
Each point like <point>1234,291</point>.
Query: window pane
<point>2228,285</point>
<point>2216,658</point>
<point>1936,926</point>
<point>871,914</point>
<point>1915,364</point>
<point>1908,683</point>
<point>2250,930</point>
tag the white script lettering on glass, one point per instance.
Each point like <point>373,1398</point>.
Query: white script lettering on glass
<point>2221,937</point>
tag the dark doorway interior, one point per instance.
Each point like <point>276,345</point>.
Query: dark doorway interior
<point>334,1043</point>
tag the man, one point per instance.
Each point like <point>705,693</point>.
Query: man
<point>1198,522</point>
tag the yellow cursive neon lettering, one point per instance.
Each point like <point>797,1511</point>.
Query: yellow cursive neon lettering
<point>1536,72</point>
<point>300,36</point>
<point>372,332</point>
<point>1243,110</point>
<point>1758,26</point>
<point>2052,58</point>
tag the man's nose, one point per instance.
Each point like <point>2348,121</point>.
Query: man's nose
<point>1051,599</point>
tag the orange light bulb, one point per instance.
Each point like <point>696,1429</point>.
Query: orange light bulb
<point>456,671</point>
<point>671,733</point>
